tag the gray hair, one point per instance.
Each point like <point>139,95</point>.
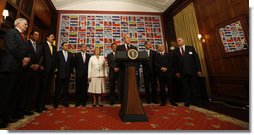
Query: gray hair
<point>18,20</point>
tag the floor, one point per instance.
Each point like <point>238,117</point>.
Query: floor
<point>218,110</point>
<point>238,112</point>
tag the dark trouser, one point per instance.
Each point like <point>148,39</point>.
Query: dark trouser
<point>8,89</point>
<point>16,103</point>
<point>45,88</point>
<point>150,82</point>
<point>163,80</point>
<point>81,90</point>
<point>62,91</point>
<point>113,79</point>
<point>30,90</point>
<point>122,83</point>
<point>190,89</point>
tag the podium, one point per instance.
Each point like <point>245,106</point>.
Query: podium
<point>131,106</point>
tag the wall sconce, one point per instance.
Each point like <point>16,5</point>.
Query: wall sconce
<point>5,14</point>
<point>200,38</point>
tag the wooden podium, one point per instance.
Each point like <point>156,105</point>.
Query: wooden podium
<point>131,107</point>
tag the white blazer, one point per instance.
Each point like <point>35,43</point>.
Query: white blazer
<point>97,67</point>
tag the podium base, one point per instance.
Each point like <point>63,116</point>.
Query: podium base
<point>134,118</point>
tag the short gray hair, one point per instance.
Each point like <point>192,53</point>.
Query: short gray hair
<point>18,20</point>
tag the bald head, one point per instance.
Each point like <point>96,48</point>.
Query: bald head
<point>180,41</point>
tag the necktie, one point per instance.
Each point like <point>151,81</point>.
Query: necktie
<point>51,49</point>
<point>65,56</point>
<point>84,57</point>
<point>128,47</point>
<point>34,45</point>
<point>182,51</point>
<point>148,53</point>
<point>22,35</point>
<point>162,54</point>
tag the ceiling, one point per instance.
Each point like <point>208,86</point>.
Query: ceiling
<point>114,5</point>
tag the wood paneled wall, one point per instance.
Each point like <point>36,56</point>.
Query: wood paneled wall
<point>229,76</point>
<point>43,16</point>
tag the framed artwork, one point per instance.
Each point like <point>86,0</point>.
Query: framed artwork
<point>233,35</point>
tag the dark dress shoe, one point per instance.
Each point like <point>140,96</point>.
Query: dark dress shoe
<point>162,104</point>
<point>44,108</point>
<point>18,116</point>
<point>101,105</point>
<point>94,105</point>
<point>83,104</point>
<point>65,104</point>
<point>28,113</point>
<point>155,102</point>
<point>12,120</point>
<point>3,124</point>
<point>55,106</point>
<point>174,104</point>
<point>187,105</point>
<point>148,101</point>
<point>38,110</point>
<point>77,104</point>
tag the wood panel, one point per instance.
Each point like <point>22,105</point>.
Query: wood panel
<point>43,12</point>
<point>229,76</point>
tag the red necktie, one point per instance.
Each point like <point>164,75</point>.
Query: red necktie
<point>22,35</point>
<point>182,51</point>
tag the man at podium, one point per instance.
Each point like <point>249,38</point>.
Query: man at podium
<point>125,47</point>
<point>129,60</point>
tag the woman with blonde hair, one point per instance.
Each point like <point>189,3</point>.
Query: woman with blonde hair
<point>96,76</point>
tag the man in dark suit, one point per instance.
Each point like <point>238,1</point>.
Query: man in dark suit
<point>31,78</point>
<point>11,63</point>
<point>81,67</point>
<point>187,66</point>
<point>149,74</point>
<point>121,65</point>
<point>49,69</point>
<point>64,70</point>
<point>113,75</point>
<point>164,67</point>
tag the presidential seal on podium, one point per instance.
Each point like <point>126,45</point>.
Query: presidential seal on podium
<point>133,54</point>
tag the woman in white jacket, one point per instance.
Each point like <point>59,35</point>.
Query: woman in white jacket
<point>96,76</point>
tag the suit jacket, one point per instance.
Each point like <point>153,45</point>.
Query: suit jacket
<point>164,61</point>
<point>36,57</point>
<point>149,67</point>
<point>188,64</point>
<point>122,48</point>
<point>97,67</point>
<point>14,52</point>
<point>64,68</point>
<point>81,68</point>
<point>49,61</point>
<point>112,64</point>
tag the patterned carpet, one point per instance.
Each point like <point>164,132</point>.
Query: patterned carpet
<point>106,118</point>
